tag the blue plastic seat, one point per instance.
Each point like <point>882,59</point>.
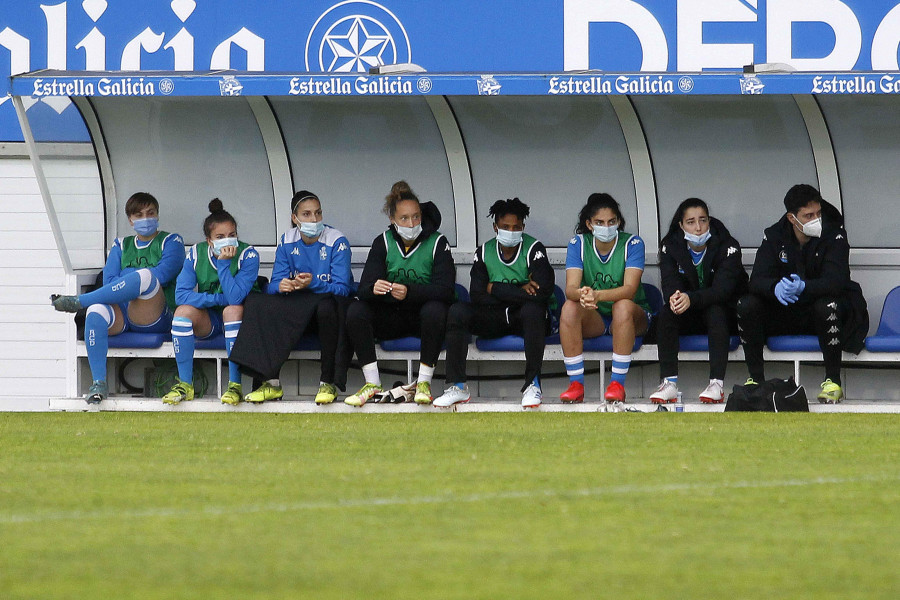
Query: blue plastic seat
<point>413,343</point>
<point>793,343</point>
<point>604,343</point>
<point>700,343</point>
<point>516,343</point>
<point>887,336</point>
<point>133,339</point>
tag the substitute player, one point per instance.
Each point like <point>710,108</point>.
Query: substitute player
<point>138,292</point>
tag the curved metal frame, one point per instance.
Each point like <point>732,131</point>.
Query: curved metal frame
<point>822,149</point>
<point>277,159</point>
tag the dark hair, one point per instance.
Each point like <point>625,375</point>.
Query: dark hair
<point>138,202</point>
<point>799,196</point>
<point>399,191</point>
<point>596,202</point>
<point>217,214</point>
<point>302,196</point>
<point>501,208</point>
<point>682,208</point>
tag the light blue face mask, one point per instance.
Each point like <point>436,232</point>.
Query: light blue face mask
<point>510,239</point>
<point>604,233</point>
<point>697,240</point>
<point>312,230</point>
<point>221,244</point>
<point>147,226</point>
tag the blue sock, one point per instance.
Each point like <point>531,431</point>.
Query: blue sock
<point>96,338</point>
<point>460,385</point>
<point>536,382</point>
<point>575,367</point>
<point>183,342</point>
<point>231,333</point>
<point>137,284</point>
<point>673,379</point>
<point>620,364</point>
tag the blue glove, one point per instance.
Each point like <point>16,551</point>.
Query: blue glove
<point>783,294</point>
<point>799,284</point>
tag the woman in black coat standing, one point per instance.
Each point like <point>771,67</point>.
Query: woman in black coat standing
<point>702,279</point>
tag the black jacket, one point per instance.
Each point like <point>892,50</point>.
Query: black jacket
<point>443,274</point>
<point>507,294</point>
<point>723,268</point>
<point>823,263</point>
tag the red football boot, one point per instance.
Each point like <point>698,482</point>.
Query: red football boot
<point>574,394</point>
<point>615,392</point>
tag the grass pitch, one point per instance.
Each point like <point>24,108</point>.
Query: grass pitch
<point>449,506</point>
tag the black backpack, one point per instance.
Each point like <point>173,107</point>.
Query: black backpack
<point>774,395</point>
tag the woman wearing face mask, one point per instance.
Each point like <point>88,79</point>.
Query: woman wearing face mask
<point>310,277</point>
<point>138,292</point>
<point>603,293</point>
<point>405,289</point>
<point>216,277</point>
<point>702,279</point>
<point>511,289</point>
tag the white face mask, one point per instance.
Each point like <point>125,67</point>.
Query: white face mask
<point>510,239</point>
<point>605,233</point>
<point>697,240</point>
<point>409,234</point>
<point>813,228</point>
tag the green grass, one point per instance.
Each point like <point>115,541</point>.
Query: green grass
<point>449,506</point>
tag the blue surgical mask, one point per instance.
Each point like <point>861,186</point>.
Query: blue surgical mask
<point>312,230</point>
<point>221,244</point>
<point>409,233</point>
<point>146,226</point>
<point>697,240</point>
<point>510,239</point>
<point>605,233</point>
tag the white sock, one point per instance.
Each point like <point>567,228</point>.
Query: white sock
<point>370,372</point>
<point>719,381</point>
<point>425,373</point>
<point>274,382</point>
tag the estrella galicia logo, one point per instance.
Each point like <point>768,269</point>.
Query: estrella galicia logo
<point>230,86</point>
<point>166,86</point>
<point>354,36</point>
<point>488,86</point>
<point>686,84</point>
<point>424,85</point>
<point>751,84</point>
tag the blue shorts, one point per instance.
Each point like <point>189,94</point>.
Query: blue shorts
<point>162,325</point>
<point>217,322</point>
<point>607,321</point>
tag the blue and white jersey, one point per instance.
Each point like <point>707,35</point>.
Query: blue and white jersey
<point>634,253</point>
<point>327,259</point>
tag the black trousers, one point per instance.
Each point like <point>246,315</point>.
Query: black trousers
<point>528,320</point>
<point>715,321</point>
<point>367,321</point>
<point>272,326</point>
<point>825,318</point>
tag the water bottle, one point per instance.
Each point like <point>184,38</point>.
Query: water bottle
<point>679,405</point>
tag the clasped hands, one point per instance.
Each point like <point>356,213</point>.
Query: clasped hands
<point>788,291</point>
<point>383,287</point>
<point>296,283</point>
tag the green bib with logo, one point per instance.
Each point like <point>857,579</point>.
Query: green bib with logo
<point>414,267</point>
<point>148,256</point>
<point>608,275</point>
<point>515,272</point>
<point>207,276</point>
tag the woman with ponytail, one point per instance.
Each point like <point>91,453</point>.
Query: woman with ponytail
<point>311,281</point>
<point>405,289</point>
<point>216,277</point>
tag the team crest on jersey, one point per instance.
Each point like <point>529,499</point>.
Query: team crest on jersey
<point>782,256</point>
<point>354,36</point>
<point>323,253</point>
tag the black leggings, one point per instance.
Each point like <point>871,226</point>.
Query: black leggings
<point>760,318</point>
<point>367,321</point>
<point>528,320</point>
<point>714,320</point>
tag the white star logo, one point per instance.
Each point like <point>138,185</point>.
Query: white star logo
<point>358,50</point>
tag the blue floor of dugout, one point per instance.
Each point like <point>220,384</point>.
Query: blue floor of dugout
<point>307,406</point>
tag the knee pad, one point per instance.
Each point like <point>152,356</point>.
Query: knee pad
<point>104,311</point>
<point>149,284</point>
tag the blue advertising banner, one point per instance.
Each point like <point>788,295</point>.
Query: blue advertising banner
<point>540,36</point>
